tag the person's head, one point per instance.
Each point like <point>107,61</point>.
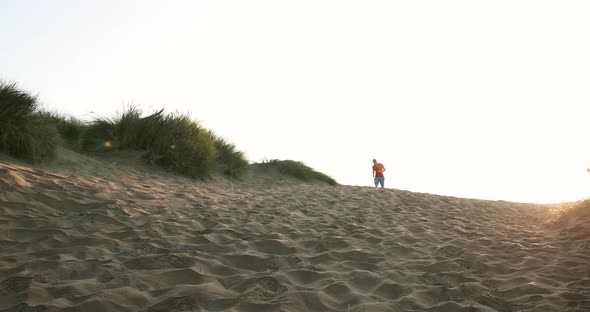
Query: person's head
<point>374,161</point>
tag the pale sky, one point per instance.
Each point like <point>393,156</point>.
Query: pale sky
<point>479,99</point>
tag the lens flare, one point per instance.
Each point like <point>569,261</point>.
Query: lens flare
<point>173,146</point>
<point>108,144</point>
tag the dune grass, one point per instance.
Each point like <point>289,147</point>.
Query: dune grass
<point>172,141</point>
<point>24,131</point>
<point>69,128</point>
<point>296,169</point>
<point>231,161</point>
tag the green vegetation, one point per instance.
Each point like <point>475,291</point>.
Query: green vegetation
<point>232,162</point>
<point>24,131</point>
<point>297,170</point>
<point>172,141</point>
<point>69,128</point>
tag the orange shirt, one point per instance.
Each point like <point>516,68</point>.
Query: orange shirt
<point>378,168</point>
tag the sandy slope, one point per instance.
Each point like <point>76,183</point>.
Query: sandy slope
<point>90,235</point>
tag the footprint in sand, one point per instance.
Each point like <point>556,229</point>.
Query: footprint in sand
<point>15,285</point>
<point>104,277</point>
<point>44,278</point>
<point>178,304</point>
<point>261,289</point>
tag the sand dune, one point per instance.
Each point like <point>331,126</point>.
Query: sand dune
<point>108,234</point>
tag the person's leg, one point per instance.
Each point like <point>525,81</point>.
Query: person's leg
<point>376,180</point>
<point>382,182</point>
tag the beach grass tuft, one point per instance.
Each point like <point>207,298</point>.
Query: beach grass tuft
<point>24,132</point>
<point>172,141</point>
<point>231,161</point>
<point>69,128</point>
<point>296,169</point>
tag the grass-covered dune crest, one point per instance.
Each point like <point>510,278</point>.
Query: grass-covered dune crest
<point>24,132</point>
<point>172,141</point>
<point>296,169</point>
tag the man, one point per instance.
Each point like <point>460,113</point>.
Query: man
<point>378,173</point>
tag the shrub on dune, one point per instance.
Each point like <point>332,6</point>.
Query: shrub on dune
<point>126,131</point>
<point>127,128</point>
<point>230,160</point>
<point>172,141</point>
<point>69,128</point>
<point>23,131</point>
<point>98,136</point>
<point>183,146</point>
<point>297,169</point>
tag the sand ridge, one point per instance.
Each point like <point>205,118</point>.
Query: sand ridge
<point>101,235</point>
